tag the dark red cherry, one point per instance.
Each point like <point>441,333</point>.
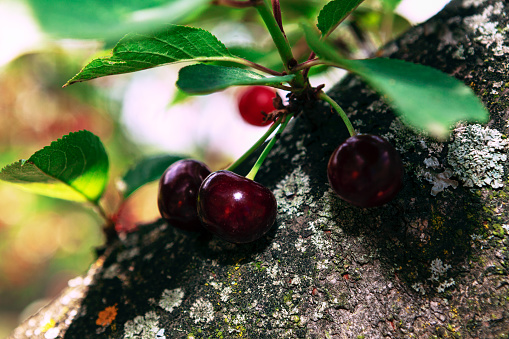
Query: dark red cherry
<point>178,191</point>
<point>253,101</point>
<point>365,170</point>
<point>236,209</point>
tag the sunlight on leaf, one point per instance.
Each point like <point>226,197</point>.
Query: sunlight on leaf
<point>136,52</point>
<point>72,168</point>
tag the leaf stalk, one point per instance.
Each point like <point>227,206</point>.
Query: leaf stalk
<point>109,227</point>
<point>259,67</point>
<point>306,65</point>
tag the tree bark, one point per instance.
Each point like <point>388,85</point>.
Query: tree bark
<point>431,263</point>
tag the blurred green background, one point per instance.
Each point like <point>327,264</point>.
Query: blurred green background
<point>45,242</point>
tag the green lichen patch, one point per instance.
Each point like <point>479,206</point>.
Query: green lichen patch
<point>478,156</point>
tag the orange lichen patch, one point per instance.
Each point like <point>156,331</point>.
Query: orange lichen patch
<point>100,261</point>
<point>107,316</point>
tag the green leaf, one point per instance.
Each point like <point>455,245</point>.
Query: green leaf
<point>72,168</point>
<point>390,5</point>
<point>372,22</point>
<point>110,20</point>
<point>136,52</point>
<point>178,97</point>
<point>334,13</point>
<point>321,48</point>
<point>145,171</point>
<point>204,79</point>
<point>299,9</point>
<point>425,97</point>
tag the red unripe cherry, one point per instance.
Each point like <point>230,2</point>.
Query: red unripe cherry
<point>178,192</point>
<point>366,171</point>
<point>253,101</point>
<point>234,208</point>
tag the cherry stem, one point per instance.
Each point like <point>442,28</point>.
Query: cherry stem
<point>340,111</point>
<point>235,3</point>
<point>255,146</point>
<point>251,175</point>
<point>109,227</point>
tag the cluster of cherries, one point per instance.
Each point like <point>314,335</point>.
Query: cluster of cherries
<point>365,171</point>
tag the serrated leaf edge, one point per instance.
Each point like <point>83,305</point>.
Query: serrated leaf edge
<point>25,161</point>
<point>228,57</point>
<point>332,28</point>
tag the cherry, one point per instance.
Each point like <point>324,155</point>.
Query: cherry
<point>365,170</point>
<point>178,192</point>
<point>255,100</point>
<point>236,209</point>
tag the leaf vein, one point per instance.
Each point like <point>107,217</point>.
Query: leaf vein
<point>168,43</point>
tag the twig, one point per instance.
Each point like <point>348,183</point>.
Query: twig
<point>236,3</point>
<point>276,8</point>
